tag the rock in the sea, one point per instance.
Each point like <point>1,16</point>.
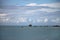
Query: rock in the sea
<point>30,25</point>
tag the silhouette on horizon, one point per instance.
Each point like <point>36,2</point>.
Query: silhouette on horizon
<point>30,25</point>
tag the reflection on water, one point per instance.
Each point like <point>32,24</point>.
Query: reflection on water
<point>29,33</point>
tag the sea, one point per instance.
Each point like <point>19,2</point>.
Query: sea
<point>29,33</point>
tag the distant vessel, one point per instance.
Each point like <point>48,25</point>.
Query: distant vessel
<point>30,25</point>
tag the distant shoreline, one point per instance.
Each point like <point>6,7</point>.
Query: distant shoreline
<point>31,26</point>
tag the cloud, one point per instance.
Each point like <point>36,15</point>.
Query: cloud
<point>45,20</point>
<point>38,14</point>
<point>3,15</point>
<point>22,19</point>
<point>17,21</point>
<point>4,20</point>
<point>48,10</point>
<point>56,20</point>
<point>30,12</point>
<point>39,20</point>
<point>31,4</point>
<point>54,5</point>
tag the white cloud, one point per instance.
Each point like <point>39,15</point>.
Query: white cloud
<point>31,4</point>
<point>39,20</point>
<point>31,12</point>
<point>4,20</point>
<point>3,15</point>
<point>57,20</point>
<point>22,19</point>
<point>45,20</point>
<point>48,10</point>
<point>17,21</point>
<point>54,5</point>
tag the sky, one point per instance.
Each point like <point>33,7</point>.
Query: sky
<point>25,12</point>
<point>23,2</point>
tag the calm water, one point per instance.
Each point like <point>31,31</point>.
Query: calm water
<point>29,33</point>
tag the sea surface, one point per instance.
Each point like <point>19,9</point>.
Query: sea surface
<point>29,33</point>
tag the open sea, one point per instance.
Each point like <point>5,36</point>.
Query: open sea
<point>29,33</point>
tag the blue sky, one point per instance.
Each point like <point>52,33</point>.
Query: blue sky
<point>24,12</point>
<point>23,2</point>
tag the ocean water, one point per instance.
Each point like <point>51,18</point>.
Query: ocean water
<point>29,33</point>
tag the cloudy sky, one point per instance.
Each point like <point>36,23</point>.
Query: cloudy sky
<point>35,12</point>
